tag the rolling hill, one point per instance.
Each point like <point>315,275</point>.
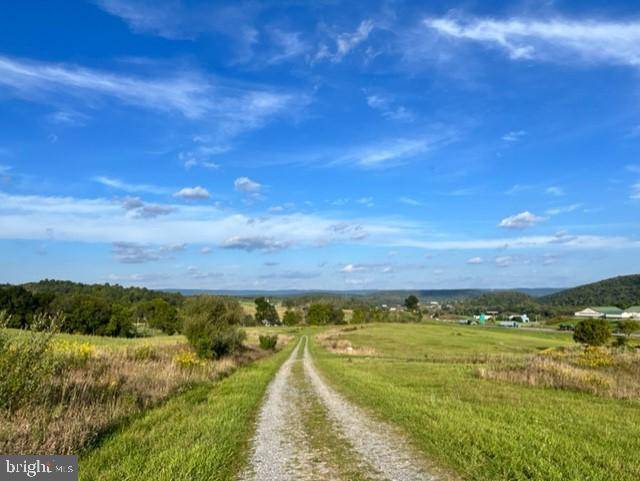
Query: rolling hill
<point>622,291</point>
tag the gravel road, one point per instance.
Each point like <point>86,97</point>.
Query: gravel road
<point>281,448</point>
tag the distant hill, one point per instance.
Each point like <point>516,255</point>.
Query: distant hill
<point>622,291</point>
<point>368,296</point>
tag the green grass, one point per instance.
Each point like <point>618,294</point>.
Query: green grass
<point>201,434</point>
<point>114,342</point>
<point>415,341</point>
<point>481,429</point>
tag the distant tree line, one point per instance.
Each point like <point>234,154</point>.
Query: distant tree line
<point>109,310</point>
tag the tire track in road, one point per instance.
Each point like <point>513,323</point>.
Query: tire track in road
<point>375,442</point>
<point>280,450</point>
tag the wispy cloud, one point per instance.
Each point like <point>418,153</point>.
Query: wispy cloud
<point>475,260</point>
<point>228,109</point>
<point>563,210</point>
<point>133,253</point>
<point>555,190</point>
<point>554,39</point>
<point>345,42</point>
<point>635,191</point>
<point>388,108</point>
<point>522,220</point>
<point>410,201</point>
<point>395,152</point>
<point>504,261</point>
<point>127,187</point>
<point>514,136</point>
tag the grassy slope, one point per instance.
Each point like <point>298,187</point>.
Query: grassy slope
<point>482,429</point>
<point>201,434</point>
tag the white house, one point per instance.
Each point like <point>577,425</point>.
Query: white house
<point>632,313</point>
<point>522,317</point>
<point>608,312</point>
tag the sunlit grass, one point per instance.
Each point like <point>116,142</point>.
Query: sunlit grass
<point>485,429</point>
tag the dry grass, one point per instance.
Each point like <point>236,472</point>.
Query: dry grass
<point>94,389</point>
<point>332,342</point>
<point>606,372</point>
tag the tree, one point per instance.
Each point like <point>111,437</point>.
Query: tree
<point>266,312</point>
<point>592,332</point>
<point>628,327</point>
<point>292,318</point>
<point>320,313</point>
<point>411,303</point>
<point>211,324</point>
<point>159,314</point>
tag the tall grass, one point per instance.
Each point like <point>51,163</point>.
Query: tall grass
<point>59,396</point>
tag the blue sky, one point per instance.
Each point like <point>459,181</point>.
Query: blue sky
<point>328,144</point>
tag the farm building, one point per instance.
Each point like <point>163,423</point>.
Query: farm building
<point>632,313</point>
<point>608,312</point>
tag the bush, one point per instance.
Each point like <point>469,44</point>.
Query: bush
<point>26,362</point>
<point>268,341</point>
<point>146,352</point>
<point>211,325</point>
<point>292,318</point>
<point>592,332</point>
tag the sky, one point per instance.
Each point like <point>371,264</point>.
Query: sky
<point>319,145</point>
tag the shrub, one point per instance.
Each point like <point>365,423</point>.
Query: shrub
<point>292,318</point>
<point>268,341</point>
<point>211,325</point>
<point>26,362</point>
<point>592,332</point>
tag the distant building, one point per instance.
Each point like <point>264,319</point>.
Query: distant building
<point>607,312</point>
<point>520,317</point>
<point>632,313</point>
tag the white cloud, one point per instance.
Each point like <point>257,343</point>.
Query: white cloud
<point>555,190</point>
<point>635,191</point>
<point>193,193</point>
<point>514,136</point>
<point>351,268</point>
<point>246,185</point>
<point>366,201</point>
<point>522,220</point>
<point>102,221</point>
<point>206,250</point>
<point>143,210</point>
<point>556,39</point>
<point>475,260</point>
<point>504,261</point>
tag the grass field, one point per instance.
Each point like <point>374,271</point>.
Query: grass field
<point>107,342</point>
<point>424,379</point>
<point>202,434</point>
